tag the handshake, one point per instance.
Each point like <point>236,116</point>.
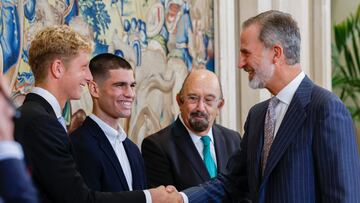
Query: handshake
<point>167,194</point>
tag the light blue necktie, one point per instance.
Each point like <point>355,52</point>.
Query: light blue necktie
<point>208,160</point>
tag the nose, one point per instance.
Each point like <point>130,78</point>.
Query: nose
<point>129,91</point>
<point>241,62</point>
<point>88,75</point>
<point>201,104</point>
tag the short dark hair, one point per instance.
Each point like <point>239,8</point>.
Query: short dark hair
<point>278,27</point>
<point>102,63</point>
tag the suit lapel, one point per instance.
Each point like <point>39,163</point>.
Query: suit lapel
<point>293,120</point>
<point>256,143</point>
<point>220,150</point>
<point>31,97</point>
<point>106,147</point>
<point>134,164</point>
<point>187,147</point>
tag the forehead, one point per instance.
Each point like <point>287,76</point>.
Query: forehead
<point>250,36</point>
<point>123,75</point>
<point>81,57</point>
<point>202,86</point>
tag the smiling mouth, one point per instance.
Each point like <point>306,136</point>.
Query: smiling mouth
<point>126,104</point>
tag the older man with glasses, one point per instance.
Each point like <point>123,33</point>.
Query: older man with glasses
<point>193,149</point>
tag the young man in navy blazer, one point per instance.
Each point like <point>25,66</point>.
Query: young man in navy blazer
<point>106,158</point>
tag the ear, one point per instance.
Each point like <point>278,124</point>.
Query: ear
<point>179,100</point>
<point>93,89</point>
<point>278,53</point>
<point>221,103</point>
<point>57,68</point>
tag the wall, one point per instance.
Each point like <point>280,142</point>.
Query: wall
<point>314,21</point>
<point>162,39</point>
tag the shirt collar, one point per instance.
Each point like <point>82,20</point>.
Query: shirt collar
<point>196,138</point>
<point>287,93</point>
<point>50,98</point>
<point>110,132</point>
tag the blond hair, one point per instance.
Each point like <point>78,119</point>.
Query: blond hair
<point>53,42</point>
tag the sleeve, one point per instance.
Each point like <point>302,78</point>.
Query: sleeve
<point>336,155</point>
<point>10,149</point>
<point>15,184</point>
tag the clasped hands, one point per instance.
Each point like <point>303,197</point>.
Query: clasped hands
<point>167,194</point>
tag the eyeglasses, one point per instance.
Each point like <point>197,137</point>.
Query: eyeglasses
<point>194,99</point>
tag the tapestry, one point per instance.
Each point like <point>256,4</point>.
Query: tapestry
<point>162,39</point>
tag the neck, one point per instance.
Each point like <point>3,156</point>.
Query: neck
<point>54,91</point>
<point>282,76</point>
<point>113,122</point>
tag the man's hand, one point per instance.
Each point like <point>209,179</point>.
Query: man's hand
<point>165,195</point>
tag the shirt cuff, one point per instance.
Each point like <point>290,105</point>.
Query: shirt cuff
<point>185,198</point>
<point>147,196</point>
<point>10,150</point>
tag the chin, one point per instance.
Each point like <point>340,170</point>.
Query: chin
<point>75,97</point>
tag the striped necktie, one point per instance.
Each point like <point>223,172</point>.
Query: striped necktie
<point>269,128</point>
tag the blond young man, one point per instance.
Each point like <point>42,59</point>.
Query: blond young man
<point>59,59</point>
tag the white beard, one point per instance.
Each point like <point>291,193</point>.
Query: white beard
<point>262,76</point>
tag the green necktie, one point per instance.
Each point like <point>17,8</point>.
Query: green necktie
<point>209,162</point>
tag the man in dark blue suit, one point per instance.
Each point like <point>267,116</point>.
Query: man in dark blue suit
<point>106,158</point>
<point>15,184</point>
<point>298,146</point>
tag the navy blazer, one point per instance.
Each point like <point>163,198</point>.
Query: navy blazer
<point>314,156</point>
<point>15,184</point>
<point>48,153</point>
<point>171,157</point>
<point>98,163</point>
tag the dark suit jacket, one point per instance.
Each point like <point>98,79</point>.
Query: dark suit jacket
<point>313,158</point>
<point>48,154</point>
<point>171,157</point>
<point>15,184</point>
<point>98,162</point>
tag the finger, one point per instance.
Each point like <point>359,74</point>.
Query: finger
<point>170,189</point>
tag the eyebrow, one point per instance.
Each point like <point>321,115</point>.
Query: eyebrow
<point>208,95</point>
<point>245,51</point>
<point>124,83</point>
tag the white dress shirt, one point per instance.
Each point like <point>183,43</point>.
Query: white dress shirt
<point>50,98</point>
<point>285,96</point>
<point>10,150</point>
<point>116,138</point>
<point>199,144</point>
